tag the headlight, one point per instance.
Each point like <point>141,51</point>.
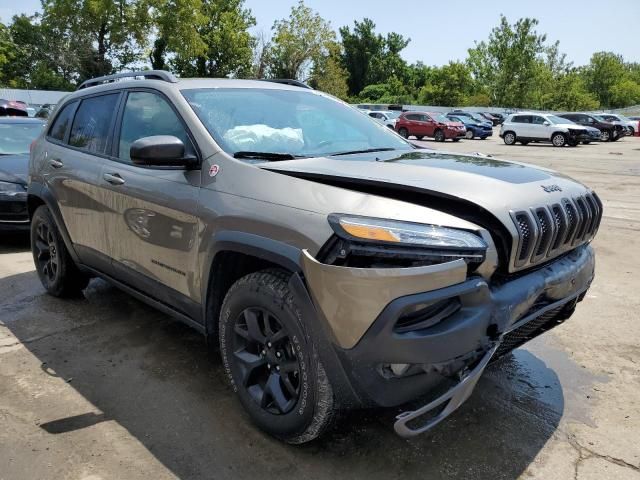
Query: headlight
<point>407,233</point>
<point>365,241</point>
<point>9,189</point>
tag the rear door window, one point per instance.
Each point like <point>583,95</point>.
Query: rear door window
<point>61,123</point>
<point>90,129</point>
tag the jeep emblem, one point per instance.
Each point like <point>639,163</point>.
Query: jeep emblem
<point>551,188</point>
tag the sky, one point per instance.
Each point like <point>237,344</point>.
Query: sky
<point>441,31</point>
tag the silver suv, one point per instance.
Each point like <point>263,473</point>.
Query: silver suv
<point>334,264</point>
<point>527,127</point>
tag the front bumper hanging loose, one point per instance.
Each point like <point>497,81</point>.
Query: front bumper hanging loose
<point>452,399</point>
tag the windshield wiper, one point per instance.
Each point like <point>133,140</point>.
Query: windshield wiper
<point>271,156</point>
<point>368,150</point>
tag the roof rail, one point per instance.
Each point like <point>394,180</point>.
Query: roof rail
<point>287,81</point>
<point>146,74</point>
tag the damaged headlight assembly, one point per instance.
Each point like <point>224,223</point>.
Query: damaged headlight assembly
<point>375,242</point>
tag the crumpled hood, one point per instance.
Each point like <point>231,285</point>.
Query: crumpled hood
<point>496,185</point>
<point>14,168</point>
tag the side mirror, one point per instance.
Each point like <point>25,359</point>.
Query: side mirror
<point>546,124</point>
<point>159,150</point>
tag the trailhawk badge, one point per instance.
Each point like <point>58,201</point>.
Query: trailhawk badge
<point>214,170</point>
<point>551,188</point>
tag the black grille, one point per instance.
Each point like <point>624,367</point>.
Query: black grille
<point>526,332</point>
<point>548,231</point>
<point>13,211</point>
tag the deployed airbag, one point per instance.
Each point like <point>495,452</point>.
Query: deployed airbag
<point>265,139</point>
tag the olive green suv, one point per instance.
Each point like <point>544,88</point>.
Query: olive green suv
<point>335,264</point>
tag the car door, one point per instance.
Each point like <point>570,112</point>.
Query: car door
<point>427,125</point>
<point>537,128</point>
<point>151,221</point>
<point>77,143</point>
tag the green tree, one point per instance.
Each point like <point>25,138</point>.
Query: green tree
<point>114,30</point>
<point>570,93</point>
<point>8,51</point>
<point>506,63</point>
<point>624,93</point>
<point>228,45</point>
<point>298,43</point>
<point>449,85</point>
<point>328,74</point>
<point>605,70</point>
<point>371,58</point>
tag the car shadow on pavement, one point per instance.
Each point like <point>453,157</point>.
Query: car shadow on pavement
<point>156,378</point>
<point>14,242</point>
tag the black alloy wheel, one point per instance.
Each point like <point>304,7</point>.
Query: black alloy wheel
<point>45,252</point>
<point>269,367</point>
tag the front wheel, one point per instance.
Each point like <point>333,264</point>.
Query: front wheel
<point>271,360</point>
<point>439,136</point>
<point>469,135</point>
<point>56,269</point>
<point>605,135</point>
<point>558,140</point>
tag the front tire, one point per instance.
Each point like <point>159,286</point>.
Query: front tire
<point>605,135</point>
<point>469,135</point>
<point>271,360</point>
<point>56,269</point>
<point>439,136</point>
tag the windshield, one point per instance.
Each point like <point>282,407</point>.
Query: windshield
<point>557,120</point>
<point>606,118</point>
<point>17,137</point>
<point>301,123</point>
<point>392,114</point>
<point>440,118</point>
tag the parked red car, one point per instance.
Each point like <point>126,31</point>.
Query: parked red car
<point>426,124</point>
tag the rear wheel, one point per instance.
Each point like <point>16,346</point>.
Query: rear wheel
<point>558,139</point>
<point>509,138</point>
<point>56,269</point>
<point>439,136</point>
<point>404,132</point>
<point>271,360</point>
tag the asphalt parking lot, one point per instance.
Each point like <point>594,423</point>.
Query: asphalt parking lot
<point>104,387</point>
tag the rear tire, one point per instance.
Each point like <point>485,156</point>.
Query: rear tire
<point>558,139</point>
<point>439,136</point>
<point>404,132</point>
<point>271,361</point>
<point>509,138</point>
<point>56,269</point>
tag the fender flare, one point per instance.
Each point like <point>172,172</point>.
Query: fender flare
<point>43,193</point>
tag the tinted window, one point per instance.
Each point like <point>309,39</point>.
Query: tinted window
<point>91,124</point>
<point>147,114</point>
<point>521,119</point>
<point>412,117</point>
<point>62,121</point>
<point>537,120</point>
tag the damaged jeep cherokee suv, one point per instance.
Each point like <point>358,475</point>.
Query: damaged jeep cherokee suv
<point>336,265</point>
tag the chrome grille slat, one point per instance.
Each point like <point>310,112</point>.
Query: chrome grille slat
<point>550,230</point>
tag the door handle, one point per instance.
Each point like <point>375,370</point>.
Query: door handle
<point>55,163</point>
<point>113,178</point>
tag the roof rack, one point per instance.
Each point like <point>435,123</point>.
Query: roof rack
<point>146,74</point>
<point>287,81</point>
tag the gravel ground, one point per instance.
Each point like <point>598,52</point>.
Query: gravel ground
<point>105,387</point>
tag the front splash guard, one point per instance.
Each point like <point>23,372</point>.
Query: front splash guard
<point>453,398</point>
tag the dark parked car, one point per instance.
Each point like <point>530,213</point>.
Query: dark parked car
<point>474,128</point>
<point>424,124</point>
<point>16,135</point>
<point>608,131</point>
<point>11,108</point>
<point>477,117</point>
<point>490,117</point>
